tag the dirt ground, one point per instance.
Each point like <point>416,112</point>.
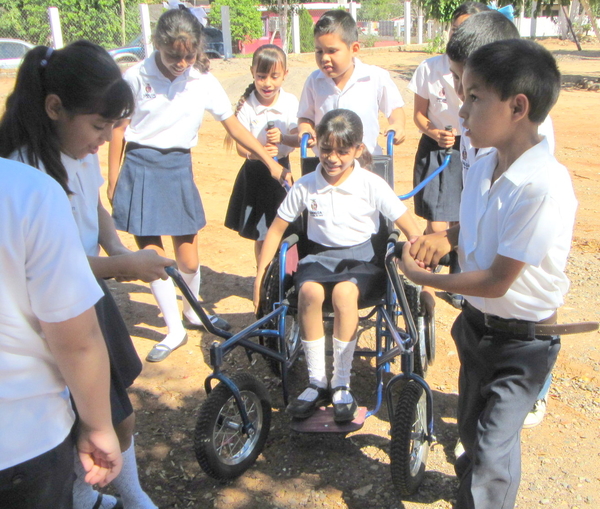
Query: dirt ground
<point>561,458</point>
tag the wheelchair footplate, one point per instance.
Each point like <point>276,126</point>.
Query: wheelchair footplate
<point>322,422</point>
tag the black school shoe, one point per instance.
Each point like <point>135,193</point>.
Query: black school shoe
<point>301,409</point>
<point>344,412</point>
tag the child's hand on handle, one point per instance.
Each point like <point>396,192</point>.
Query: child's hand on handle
<point>306,127</point>
<point>399,133</point>
<point>271,149</point>
<point>100,454</point>
<point>274,136</point>
<point>445,138</point>
<point>428,250</point>
<point>147,265</point>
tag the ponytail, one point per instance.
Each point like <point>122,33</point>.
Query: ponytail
<point>87,81</point>
<point>228,141</point>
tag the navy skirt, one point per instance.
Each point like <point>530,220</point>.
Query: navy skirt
<point>440,199</point>
<point>125,365</point>
<point>254,201</point>
<point>358,264</point>
<point>156,194</point>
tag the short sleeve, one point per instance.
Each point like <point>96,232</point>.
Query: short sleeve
<point>391,98</point>
<point>419,79</point>
<point>530,230</point>
<point>244,115</point>
<point>306,107</point>
<point>218,103</point>
<point>386,200</point>
<point>60,282</point>
<point>293,204</point>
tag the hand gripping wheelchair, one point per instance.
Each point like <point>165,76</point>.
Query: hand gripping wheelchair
<point>233,423</point>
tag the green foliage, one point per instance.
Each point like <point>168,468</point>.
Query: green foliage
<point>375,10</point>
<point>307,42</point>
<point>440,9</point>
<point>245,19</point>
<point>369,40</point>
<point>436,45</point>
<point>96,20</point>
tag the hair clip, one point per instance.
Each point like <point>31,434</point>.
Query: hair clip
<point>46,58</point>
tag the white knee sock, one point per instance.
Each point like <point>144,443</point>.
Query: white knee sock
<point>193,281</point>
<point>343,355</point>
<point>315,361</point>
<point>84,496</point>
<point>166,298</point>
<point>127,483</point>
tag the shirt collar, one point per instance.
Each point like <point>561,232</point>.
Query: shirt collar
<point>260,108</point>
<point>346,187</point>
<point>521,169</point>
<point>360,72</point>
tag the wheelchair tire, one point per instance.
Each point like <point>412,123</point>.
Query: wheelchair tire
<point>292,327</point>
<point>413,295</point>
<point>409,446</point>
<point>222,449</point>
<point>430,337</point>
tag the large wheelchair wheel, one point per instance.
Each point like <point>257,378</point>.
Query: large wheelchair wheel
<point>270,295</point>
<point>409,445</point>
<point>222,449</point>
<point>413,295</point>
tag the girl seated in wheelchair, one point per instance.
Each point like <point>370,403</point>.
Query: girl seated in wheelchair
<point>343,201</point>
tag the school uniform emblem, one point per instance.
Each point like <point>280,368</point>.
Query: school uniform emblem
<point>148,92</point>
<point>314,209</point>
<point>442,96</point>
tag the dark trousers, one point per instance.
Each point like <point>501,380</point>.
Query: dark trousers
<point>43,482</point>
<point>500,378</point>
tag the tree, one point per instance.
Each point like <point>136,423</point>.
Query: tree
<point>245,19</point>
<point>307,40</point>
<point>376,10</point>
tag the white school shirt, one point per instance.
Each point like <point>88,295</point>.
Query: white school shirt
<point>168,114</point>
<point>468,154</point>
<point>45,276</point>
<point>527,215</point>
<point>433,81</point>
<point>344,215</point>
<point>254,117</point>
<point>369,90</point>
<point>84,180</point>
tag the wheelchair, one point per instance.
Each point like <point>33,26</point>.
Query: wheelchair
<point>233,423</point>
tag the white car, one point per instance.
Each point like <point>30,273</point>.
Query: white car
<point>12,52</point>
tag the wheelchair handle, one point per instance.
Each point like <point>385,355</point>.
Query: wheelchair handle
<point>449,149</point>
<point>304,145</point>
<point>445,260</point>
<point>390,143</point>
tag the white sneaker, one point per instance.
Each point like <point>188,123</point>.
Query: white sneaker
<point>536,416</point>
<point>459,450</point>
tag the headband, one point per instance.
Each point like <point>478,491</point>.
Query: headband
<point>46,58</point>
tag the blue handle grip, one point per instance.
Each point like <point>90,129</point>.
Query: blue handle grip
<point>390,143</point>
<point>304,145</point>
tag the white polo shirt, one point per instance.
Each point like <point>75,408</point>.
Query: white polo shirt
<point>369,90</point>
<point>45,276</point>
<point>84,181</point>
<point>468,154</point>
<point>344,215</point>
<point>433,81</point>
<point>168,114</point>
<point>527,215</point>
<point>254,117</point>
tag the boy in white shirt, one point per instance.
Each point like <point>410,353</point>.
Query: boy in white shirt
<point>343,81</point>
<point>513,239</point>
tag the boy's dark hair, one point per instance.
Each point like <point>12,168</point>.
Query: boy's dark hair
<point>477,30</point>
<point>87,81</point>
<point>518,66</point>
<point>344,129</point>
<point>340,22</point>
<point>468,8</point>
<point>181,26</point>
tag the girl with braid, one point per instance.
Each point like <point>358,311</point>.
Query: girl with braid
<point>270,114</point>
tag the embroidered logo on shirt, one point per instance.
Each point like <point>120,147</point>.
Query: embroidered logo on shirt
<point>442,97</point>
<point>314,209</point>
<point>149,93</point>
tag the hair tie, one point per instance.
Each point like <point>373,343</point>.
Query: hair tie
<point>46,58</point>
<point>508,11</point>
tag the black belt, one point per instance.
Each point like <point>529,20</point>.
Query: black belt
<point>132,145</point>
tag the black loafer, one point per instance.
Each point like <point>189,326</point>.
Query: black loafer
<point>344,412</point>
<point>301,409</point>
<point>160,352</point>
<point>217,321</point>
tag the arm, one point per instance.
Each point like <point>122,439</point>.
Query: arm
<point>397,123</point>
<point>443,138</point>
<point>407,225</point>
<point>276,137</point>
<point>115,151</point>
<point>269,248</point>
<point>242,136</point>
<point>490,283</point>
<point>307,126</point>
<point>80,353</point>
<point>121,262</point>
<point>427,250</point>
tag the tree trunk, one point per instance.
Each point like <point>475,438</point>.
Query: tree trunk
<point>123,41</point>
<point>590,15</point>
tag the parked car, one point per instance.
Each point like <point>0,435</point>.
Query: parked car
<point>130,53</point>
<point>12,52</point>
<point>134,51</point>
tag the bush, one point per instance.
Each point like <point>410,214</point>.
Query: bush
<point>245,19</point>
<point>369,40</point>
<point>307,39</point>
